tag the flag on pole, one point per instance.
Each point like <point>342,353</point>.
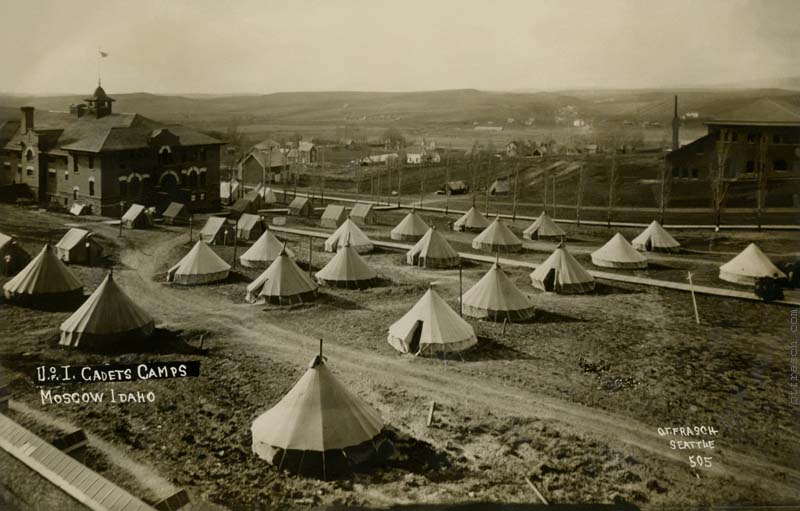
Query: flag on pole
<point>103,54</point>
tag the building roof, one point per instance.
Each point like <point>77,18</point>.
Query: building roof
<point>761,112</point>
<point>113,132</point>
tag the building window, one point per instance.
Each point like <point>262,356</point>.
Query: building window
<point>192,179</point>
<point>91,162</point>
<point>123,188</point>
<point>695,174</point>
<point>202,196</point>
<point>752,138</point>
<point>202,179</point>
<point>734,136</point>
<point>777,139</point>
<point>29,154</point>
<point>75,193</point>
<point>684,172</point>
<point>676,172</point>
<point>194,197</point>
<point>203,154</point>
<point>91,188</point>
<point>66,176</point>
<point>750,166</point>
<point>780,165</point>
<point>29,171</point>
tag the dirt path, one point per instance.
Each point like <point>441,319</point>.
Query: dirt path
<point>362,368</point>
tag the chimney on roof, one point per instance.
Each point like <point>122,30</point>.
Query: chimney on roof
<point>676,126</point>
<point>27,118</point>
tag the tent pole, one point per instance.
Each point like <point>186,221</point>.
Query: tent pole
<point>460,291</point>
<point>310,252</point>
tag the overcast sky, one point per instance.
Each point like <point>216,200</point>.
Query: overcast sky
<point>261,46</point>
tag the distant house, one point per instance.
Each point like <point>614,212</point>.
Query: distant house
<point>456,188</point>
<point>519,148</point>
<point>500,187</point>
<point>421,155</point>
<point>261,166</point>
<point>379,159</point>
<point>301,152</point>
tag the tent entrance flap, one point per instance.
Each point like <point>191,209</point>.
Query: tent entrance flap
<point>550,280</point>
<point>412,340</point>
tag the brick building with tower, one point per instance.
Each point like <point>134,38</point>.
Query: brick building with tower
<point>106,160</point>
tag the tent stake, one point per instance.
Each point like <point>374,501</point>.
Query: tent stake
<point>430,413</point>
<point>310,252</point>
<point>694,300</point>
<point>536,491</point>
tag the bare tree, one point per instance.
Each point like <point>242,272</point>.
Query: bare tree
<point>613,181</point>
<point>579,196</point>
<point>763,179</point>
<point>719,184</point>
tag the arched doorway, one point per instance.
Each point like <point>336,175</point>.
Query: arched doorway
<point>169,183</point>
<point>134,187</point>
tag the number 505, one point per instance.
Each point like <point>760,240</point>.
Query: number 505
<point>699,461</point>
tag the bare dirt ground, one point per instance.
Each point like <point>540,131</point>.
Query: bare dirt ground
<point>572,399</point>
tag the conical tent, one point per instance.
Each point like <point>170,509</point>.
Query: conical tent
<point>13,257</point>
<point>200,266</point>
<point>106,319</point>
<point>543,227</point>
<point>431,327</point>
<point>283,283</point>
<point>265,250</point>
<point>750,265</point>
<point>497,238</point>
<point>45,281</point>
<point>410,228</point>
<point>655,239</point>
<point>347,269</point>
<point>472,220</point>
<point>618,253</point>
<point>562,273</point>
<point>496,297</point>
<point>348,231</point>
<point>319,427</point>
<point>433,251</point>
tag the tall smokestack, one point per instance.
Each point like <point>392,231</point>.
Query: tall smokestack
<point>27,118</point>
<point>676,126</point>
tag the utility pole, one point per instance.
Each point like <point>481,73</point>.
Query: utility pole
<point>447,180</point>
<point>555,205</point>
<point>579,197</point>
<point>516,179</point>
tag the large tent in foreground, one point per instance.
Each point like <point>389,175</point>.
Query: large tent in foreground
<point>543,227</point>
<point>431,327</point>
<point>497,238</point>
<point>351,233</point>
<point>618,253</point>
<point>433,251</point>
<point>562,273</point>
<point>265,250</point>
<point>750,265</point>
<point>347,269</point>
<point>655,239</point>
<point>283,283</point>
<point>200,266</point>
<point>13,257</point>
<point>497,298</point>
<point>107,319</point>
<point>472,220</point>
<point>410,228</point>
<point>44,282</point>
<point>319,428</point>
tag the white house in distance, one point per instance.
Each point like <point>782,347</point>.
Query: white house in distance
<point>419,155</point>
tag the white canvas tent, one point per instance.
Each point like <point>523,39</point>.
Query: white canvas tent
<point>431,327</point>
<point>45,281</point>
<point>433,251</point>
<point>655,239</point>
<point>500,187</point>
<point>79,209</point>
<point>78,246</point>
<point>13,257</point>
<point>216,231</point>
<point>347,269</point>
<point>200,266</point>
<point>282,283</point>
<point>265,250</point>
<point>318,428</point>
<point>543,227</point>
<point>299,206</point>
<point>562,273</point>
<point>176,214</point>
<point>410,228</point>
<point>249,227</point>
<point>348,232</point>
<point>107,319</point>
<point>363,214</point>
<point>497,238</point>
<point>472,220</point>
<point>750,265</point>
<point>333,216</point>
<point>136,217</point>
<point>495,297</point>
<point>618,253</point>
<point>268,196</point>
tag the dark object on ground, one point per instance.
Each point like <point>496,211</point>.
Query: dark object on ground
<point>768,289</point>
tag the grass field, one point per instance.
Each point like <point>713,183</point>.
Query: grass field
<point>572,399</point>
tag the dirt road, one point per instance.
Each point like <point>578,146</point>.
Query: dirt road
<point>364,369</point>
